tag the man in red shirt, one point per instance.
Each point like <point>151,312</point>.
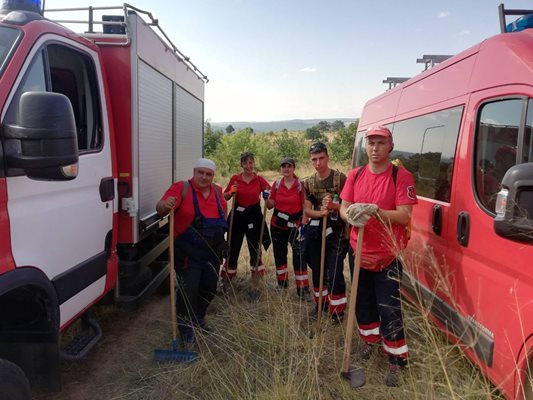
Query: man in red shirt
<point>200,224</point>
<point>380,197</point>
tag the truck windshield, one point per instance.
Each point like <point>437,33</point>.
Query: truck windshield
<point>8,40</point>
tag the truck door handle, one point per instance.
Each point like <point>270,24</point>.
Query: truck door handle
<point>107,189</point>
<point>463,228</point>
<point>436,220</point>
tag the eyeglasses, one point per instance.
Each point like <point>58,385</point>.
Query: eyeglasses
<point>317,148</point>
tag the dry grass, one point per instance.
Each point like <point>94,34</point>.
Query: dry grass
<point>271,350</point>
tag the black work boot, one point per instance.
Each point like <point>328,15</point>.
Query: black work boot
<point>337,318</point>
<point>393,375</point>
<point>366,351</point>
<point>303,294</point>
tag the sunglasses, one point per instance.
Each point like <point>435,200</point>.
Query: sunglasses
<point>317,148</point>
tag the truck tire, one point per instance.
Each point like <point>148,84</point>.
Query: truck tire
<point>13,383</point>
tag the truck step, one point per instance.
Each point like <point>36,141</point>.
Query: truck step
<point>80,345</point>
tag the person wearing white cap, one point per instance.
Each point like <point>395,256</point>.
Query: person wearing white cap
<point>380,196</point>
<point>199,228</point>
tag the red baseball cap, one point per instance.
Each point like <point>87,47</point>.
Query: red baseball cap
<point>379,131</point>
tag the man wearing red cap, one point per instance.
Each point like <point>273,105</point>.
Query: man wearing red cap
<point>380,196</point>
<point>200,224</point>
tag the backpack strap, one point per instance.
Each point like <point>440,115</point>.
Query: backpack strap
<point>358,173</point>
<point>183,194</point>
<point>337,181</point>
<point>394,173</point>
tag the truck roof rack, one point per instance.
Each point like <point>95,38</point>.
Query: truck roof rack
<point>431,59</point>
<point>504,27</point>
<point>393,81</point>
<point>117,26</point>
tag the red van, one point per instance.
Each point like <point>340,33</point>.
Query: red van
<point>464,129</point>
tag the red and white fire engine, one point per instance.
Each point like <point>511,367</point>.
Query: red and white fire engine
<point>93,129</point>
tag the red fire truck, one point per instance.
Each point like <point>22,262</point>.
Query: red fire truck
<point>93,129</point>
<point>464,129</point>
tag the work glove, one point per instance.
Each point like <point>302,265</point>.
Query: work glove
<point>233,189</point>
<point>359,213</point>
<point>359,222</point>
<point>265,194</point>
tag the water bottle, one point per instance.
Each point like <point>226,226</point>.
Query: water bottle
<point>334,214</point>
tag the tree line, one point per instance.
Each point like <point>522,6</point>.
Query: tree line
<point>225,146</point>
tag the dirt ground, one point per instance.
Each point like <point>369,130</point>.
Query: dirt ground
<point>123,354</point>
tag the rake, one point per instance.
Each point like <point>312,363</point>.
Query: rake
<point>173,355</point>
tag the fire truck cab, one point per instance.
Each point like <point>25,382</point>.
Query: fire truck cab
<point>93,128</point>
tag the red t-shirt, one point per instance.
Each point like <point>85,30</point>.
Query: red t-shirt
<point>184,217</point>
<point>379,246</point>
<point>288,200</point>
<point>248,192</point>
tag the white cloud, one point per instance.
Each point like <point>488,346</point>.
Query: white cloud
<point>308,69</point>
<point>444,14</point>
<point>464,32</point>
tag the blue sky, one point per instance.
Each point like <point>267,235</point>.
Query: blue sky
<point>285,59</point>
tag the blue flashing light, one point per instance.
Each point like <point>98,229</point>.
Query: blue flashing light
<point>524,22</point>
<point>21,5</point>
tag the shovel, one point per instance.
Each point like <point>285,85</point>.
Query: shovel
<point>356,375</point>
<point>173,355</point>
<point>322,262</point>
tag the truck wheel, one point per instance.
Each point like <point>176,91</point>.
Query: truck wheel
<point>13,383</point>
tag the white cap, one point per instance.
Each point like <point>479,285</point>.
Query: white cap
<point>205,163</point>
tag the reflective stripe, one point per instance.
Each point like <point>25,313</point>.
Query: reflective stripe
<point>283,216</point>
<point>282,271</point>
<point>397,351</point>
<point>250,226</point>
<point>301,277</point>
<point>328,231</point>
<point>324,293</point>
<point>314,222</point>
<point>240,208</point>
<point>338,302</point>
<point>290,224</point>
<point>369,332</point>
<point>260,268</point>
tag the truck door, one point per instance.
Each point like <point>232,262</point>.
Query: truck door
<point>492,273</point>
<point>64,227</point>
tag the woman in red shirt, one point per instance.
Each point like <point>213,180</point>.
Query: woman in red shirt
<point>246,188</point>
<point>287,199</point>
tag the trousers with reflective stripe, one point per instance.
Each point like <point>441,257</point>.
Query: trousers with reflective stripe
<point>281,238</point>
<point>336,247</point>
<point>379,313</point>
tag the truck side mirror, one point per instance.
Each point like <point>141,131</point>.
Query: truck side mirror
<point>514,204</point>
<point>43,141</point>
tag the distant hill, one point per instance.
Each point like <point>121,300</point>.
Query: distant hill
<point>276,126</point>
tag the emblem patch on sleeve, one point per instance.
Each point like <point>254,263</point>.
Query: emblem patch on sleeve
<point>411,192</point>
